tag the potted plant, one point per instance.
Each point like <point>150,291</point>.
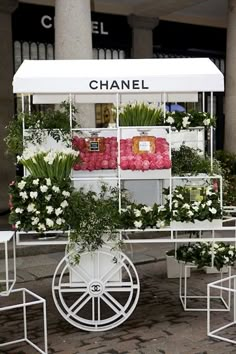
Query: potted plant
<point>140,114</point>
<point>204,210</point>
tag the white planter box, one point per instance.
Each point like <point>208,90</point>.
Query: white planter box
<point>205,224</point>
<point>95,268</point>
<point>173,267</point>
<point>213,270</point>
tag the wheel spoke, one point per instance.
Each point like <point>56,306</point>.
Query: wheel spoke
<point>120,286</point>
<point>115,302</point>
<point>111,272</point>
<point>109,303</point>
<point>70,313</point>
<point>81,272</point>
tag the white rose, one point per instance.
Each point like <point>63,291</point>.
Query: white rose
<point>48,182</point>
<point>21,185</point>
<point>17,224</point>
<point>33,195</point>
<point>48,197</point>
<point>213,210</point>
<point>35,221</point>
<point>138,224</point>
<point>66,194</point>
<point>36,182</point>
<point>208,203</point>
<point>49,209</point>
<point>186,206</point>
<point>137,212</point>
<point>24,195</point>
<point>185,121</point>
<point>19,210</point>
<point>170,120</point>
<point>206,122</point>
<point>58,211</point>
<point>179,196</point>
<point>41,227</point>
<point>59,221</point>
<point>64,204</point>
<point>49,222</point>
<point>56,189</point>
<point>43,188</point>
<point>31,207</point>
<point>190,213</point>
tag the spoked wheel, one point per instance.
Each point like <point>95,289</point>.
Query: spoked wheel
<point>99,293</point>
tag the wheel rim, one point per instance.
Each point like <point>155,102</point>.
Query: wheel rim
<point>98,294</point>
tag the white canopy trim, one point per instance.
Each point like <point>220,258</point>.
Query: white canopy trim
<point>133,76</point>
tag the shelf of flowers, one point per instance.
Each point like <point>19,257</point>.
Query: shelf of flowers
<point>142,155</point>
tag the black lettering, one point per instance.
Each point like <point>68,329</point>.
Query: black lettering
<point>143,85</point>
<point>114,85</point>
<point>136,84</point>
<point>92,86</point>
<point>125,84</point>
<point>104,84</point>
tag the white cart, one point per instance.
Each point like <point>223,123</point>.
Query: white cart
<point>99,294</point>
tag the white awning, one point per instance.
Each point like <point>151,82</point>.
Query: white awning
<point>134,76</point>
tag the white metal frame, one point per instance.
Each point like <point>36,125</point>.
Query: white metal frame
<point>184,297</point>
<point>5,238</point>
<point>94,288</point>
<point>24,305</point>
<point>231,289</point>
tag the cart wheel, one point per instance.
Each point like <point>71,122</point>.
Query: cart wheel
<point>99,293</point>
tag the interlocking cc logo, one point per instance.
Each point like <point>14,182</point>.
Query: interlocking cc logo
<point>96,288</point>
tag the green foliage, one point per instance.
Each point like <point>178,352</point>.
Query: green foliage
<point>206,207</point>
<point>94,218</point>
<point>39,204</point>
<point>201,254</point>
<point>140,114</point>
<point>56,123</point>
<point>183,120</point>
<point>141,216</point>
<point>187,160</point>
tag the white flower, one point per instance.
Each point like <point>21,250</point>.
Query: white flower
<point>190,213</point>
<point>58,211</point>
<point>64,204</point>
<point>185,121</point>
<point>49,158</point>
<point>231,253</point>
<point>21,185</point>
<point>216,245</point>
<point>17,224</point>
<point>49,222</point>
<point>35,220</point>
<point>186,206</point>
<point>37,212</point>
<point>180,196</point>
<point>49,209</point>
<point>43,188</point>
<point>48,197</point>
<point>33,195</point>
<point>137,212</point>
<point>161,208</point>
<point>170,120</point>
<point>226,259</point>
<point>206,121</point>
<point>19,210</point>
<point>31,207</point>
<point>213,210</point>
<point>138,224</point>
<point>66,194</point>
<point>176,204</point>
<point>160,224</point>
<point>195,208</point>
<point>59,221</point>
<point>41,227</point>
<point>36,182</point>
<point>175,212</point>
<point>56,189</point>
<point>48,182</point>
<point>209,202</point>
<point>24,195</point>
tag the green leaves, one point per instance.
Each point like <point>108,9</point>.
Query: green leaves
<point>140,115</point>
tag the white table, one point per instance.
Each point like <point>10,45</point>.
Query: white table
<point>7,279</point>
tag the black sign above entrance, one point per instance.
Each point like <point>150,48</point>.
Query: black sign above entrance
<point>35,23</point>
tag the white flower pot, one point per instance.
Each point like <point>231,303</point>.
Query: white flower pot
<point>173,267</point>
<point>205,224</point>
<point>213,270</point>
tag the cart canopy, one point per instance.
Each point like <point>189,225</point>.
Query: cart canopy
<point>124,76</point>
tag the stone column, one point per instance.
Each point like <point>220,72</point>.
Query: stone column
<point>142,44</point>
<point>230,96</point>
<point>6,96</point>
<point>73,40</point>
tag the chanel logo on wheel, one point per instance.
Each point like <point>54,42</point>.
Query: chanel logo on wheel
<point>95,288</point>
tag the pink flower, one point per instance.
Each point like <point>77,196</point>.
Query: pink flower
<point>104,164</point>
<point>112,164</point>
<point>145,165</point>
<point>124,164</point>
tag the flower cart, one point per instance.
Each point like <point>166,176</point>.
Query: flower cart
<point>100,290</point>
